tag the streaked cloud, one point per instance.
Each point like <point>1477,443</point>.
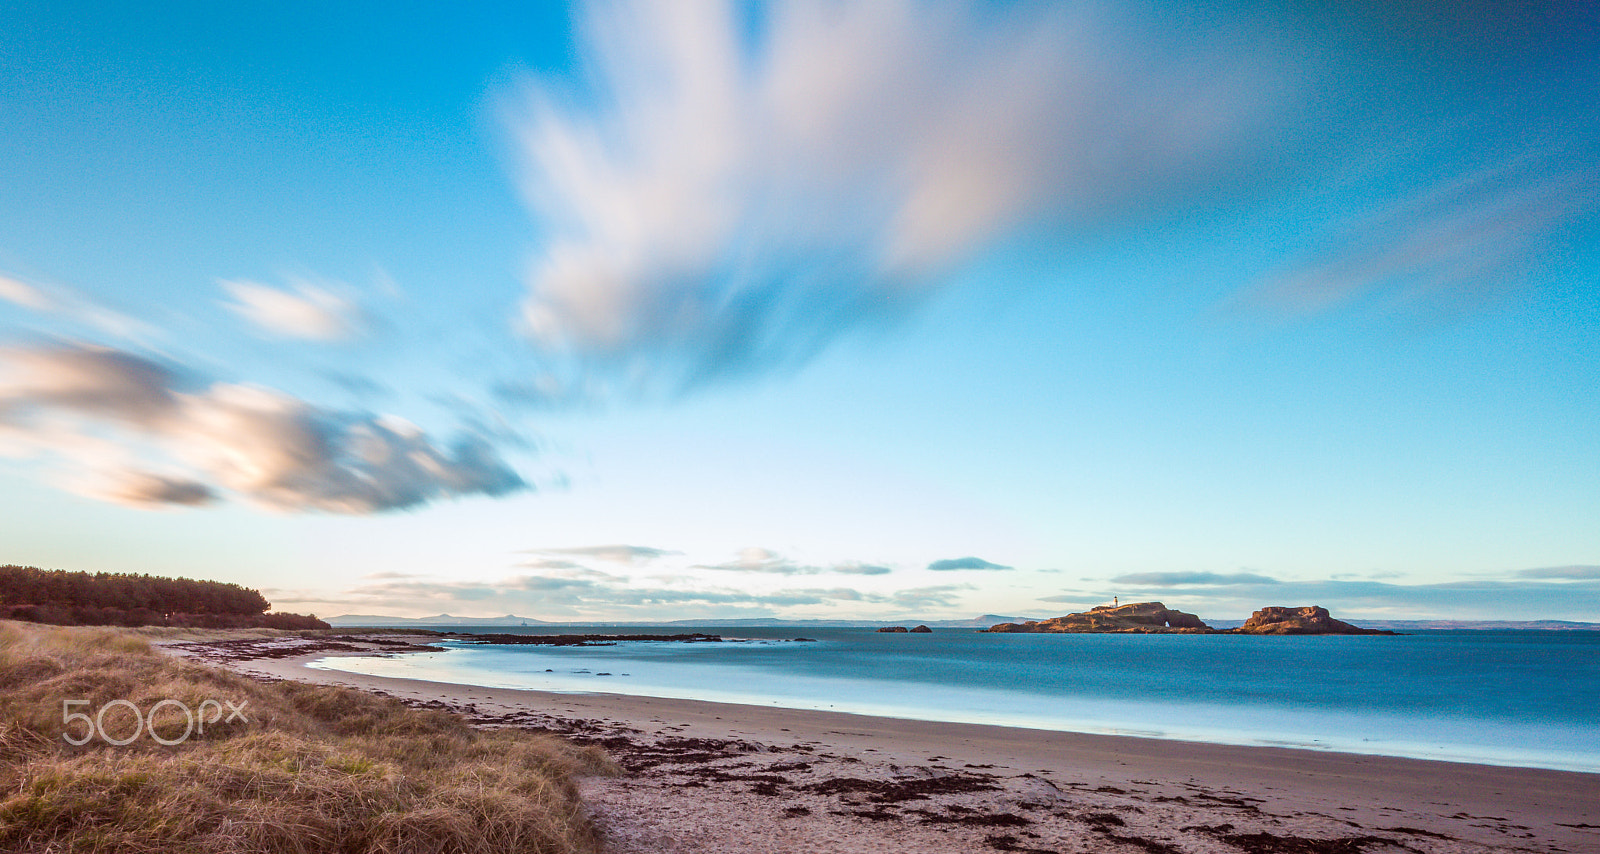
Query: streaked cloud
<point>1577,573</point>
<point>144,433</point>
<point>612,553</point>
<point>1175,579</point>
<point>68,304</point>
<point>724,204</point>
<point>21,293</point>
<point>1453,244</point>
<point>968,562</point>
<point>764,561</point>
<point>759,560</point>
<point>1083,599</point>
<point>550,563</point>
<point>305,310</point>
<point>856,568</point>
<point>562,595</point>
<point>147,489</point>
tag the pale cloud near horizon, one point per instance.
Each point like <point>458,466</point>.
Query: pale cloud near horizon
<point>859,568</point>
<point>616,553</point>
<point>968,562</point>
<point>726,205</point>
<point>140,433</point>
<point>765,561</point>
<point>564,595</point>
<point>1174,579</point>
<point>1580,573</point>
<point>305,310</point>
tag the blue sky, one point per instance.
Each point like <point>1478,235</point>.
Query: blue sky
<point>919,310</point>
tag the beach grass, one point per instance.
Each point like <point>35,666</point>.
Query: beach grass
<point>301,768</point>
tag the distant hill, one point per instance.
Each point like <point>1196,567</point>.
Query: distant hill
<point>375,620</point>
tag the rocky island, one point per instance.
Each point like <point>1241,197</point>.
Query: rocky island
<point>1156,618</point>
<point>1137,618</point>
<point>1310,620</point>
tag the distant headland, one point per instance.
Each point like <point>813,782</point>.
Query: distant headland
<point>1156,618</point>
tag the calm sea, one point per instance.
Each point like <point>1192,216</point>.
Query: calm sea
<point>1501,697</point>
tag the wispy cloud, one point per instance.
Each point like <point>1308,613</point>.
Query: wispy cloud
<point>305,310</point>
<point>74,307</point>
<point>147,489</point>
<point>546,595</point>
<point>727,204</point>
<point>1085,600</point>
<point>857,568</point>
<point>21,293</point>
<point>968,562</point>
<point>764,561</point>
<point>612,553</point>
<point>1580,573</point>
<point>759,560</point>
<point>1454,244</point>
<point>147,434</point>
<point>1174,579</point>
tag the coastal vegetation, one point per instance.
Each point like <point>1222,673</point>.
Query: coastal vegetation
<point>302,768</point>
<point>126,599</point>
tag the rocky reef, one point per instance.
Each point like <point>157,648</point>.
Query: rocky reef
<point>1310,620</point>
<point>1137,618</point>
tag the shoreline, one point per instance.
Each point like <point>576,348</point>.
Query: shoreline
<point>1198,718</point>
<point>1177,788</point>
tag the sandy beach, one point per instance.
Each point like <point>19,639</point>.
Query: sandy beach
<point>723,778</point>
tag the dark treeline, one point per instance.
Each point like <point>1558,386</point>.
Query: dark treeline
<point>124,599</point>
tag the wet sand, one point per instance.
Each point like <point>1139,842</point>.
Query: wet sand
<point>712,777</point>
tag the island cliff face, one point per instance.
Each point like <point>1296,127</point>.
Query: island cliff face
<point>1310,620</point>
<point>1138,618</point>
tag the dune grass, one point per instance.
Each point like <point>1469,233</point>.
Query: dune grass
<point>310,769</point>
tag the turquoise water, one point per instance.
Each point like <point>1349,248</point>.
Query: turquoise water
<point>1511,698</point>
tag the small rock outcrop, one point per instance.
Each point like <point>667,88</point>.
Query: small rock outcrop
<point>1137,618</point>
<point>922,630</point>
<point>1310,620</point>
<point>893,629</point>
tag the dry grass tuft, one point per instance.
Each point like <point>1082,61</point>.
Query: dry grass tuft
<point>314,769</point>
